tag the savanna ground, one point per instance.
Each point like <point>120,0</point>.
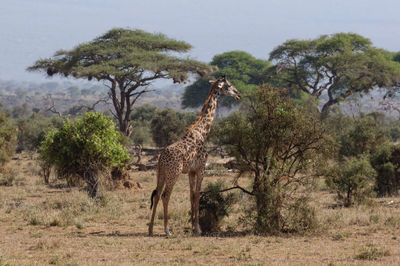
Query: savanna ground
<point>42,224</point>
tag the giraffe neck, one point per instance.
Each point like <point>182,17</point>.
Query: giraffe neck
<point>202,126</point>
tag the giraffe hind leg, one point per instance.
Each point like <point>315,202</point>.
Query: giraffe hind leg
<point>156,195</point>
<point>156,199</point>
<point>171,179</point>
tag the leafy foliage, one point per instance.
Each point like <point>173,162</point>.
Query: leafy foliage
<point>279,145</point>
<point>352,179</point>
<point>144,113</point>
<point>32,130</point>
<point>20,111</point>
<point>386,162</point>
<point>141,119</point>
<point>7,139</point>
<point>128,60</point>
<point>363,135</point>
<point>169,126</point>
<point>214,206</point>
<point>336,65</point>
<point>242,69</point>
<point>84,148</point>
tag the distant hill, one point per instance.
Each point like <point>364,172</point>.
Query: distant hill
<point>67,94</point>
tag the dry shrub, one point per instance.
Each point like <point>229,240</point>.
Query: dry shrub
<point>371,252</point>
<point>214,206</point>
<point>8,177</point>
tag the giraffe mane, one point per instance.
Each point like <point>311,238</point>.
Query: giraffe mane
<point>207,101</point>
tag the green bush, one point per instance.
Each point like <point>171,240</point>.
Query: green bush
<point>144,113</point>
<point>32,130</point>
<point>364,135</point>
<point>7,139</point>
<point>84,148</point>
<point>141,118</point>
<point>20,111</point>
<point>352,179</point>
<point>214,206</point>
<point>386,162</point>
<point>141,134</point>
<point>169,126</point>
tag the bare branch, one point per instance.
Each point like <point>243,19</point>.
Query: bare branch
<point>52,107</point>
<point>227,189</point>
<point>136,95</point>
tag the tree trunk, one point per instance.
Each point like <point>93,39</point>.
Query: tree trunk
<point>326,108</point>
<point>92,181</point>
<point>125,127</point>
<point>46,170</point>
<point>268,205</point>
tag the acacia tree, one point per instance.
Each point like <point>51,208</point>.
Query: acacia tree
<point>243,70</point>
<point>279,145</point>
<point>337,66</point>
<point>127,61</point>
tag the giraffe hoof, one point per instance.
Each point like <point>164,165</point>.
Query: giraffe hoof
<point>197,232</point>
<point>167,232</point>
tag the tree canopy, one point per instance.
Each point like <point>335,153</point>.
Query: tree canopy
<point>128,60</point>
<point>168,126</point>
<point>335,66</point>
<point>243,70</point>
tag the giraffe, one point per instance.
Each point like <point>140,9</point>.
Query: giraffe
<point>189,156</point>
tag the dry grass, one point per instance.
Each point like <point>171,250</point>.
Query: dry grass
<point>46,225</point>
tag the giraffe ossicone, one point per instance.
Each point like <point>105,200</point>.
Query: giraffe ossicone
<point>189,156</point>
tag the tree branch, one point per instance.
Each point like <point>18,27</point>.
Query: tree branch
<point>52,107</point>
<point>227,189</point>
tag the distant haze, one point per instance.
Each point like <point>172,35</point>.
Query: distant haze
<point>33,29</point>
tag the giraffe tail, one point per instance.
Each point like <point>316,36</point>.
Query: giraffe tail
<point>151,198</point>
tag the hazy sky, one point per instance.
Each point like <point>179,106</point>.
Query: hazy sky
<point>33,29</point>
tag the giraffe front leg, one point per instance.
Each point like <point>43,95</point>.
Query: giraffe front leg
<point>199,180</point>
<point>165,199</point>
<point>192,183</point>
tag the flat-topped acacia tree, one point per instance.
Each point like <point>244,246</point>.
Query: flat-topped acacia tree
<point>127,61</point>
<point>335,66</point>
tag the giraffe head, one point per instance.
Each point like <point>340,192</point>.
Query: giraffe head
<point>225,87</point>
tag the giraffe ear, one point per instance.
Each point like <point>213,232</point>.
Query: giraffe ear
<point>212,81</point>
